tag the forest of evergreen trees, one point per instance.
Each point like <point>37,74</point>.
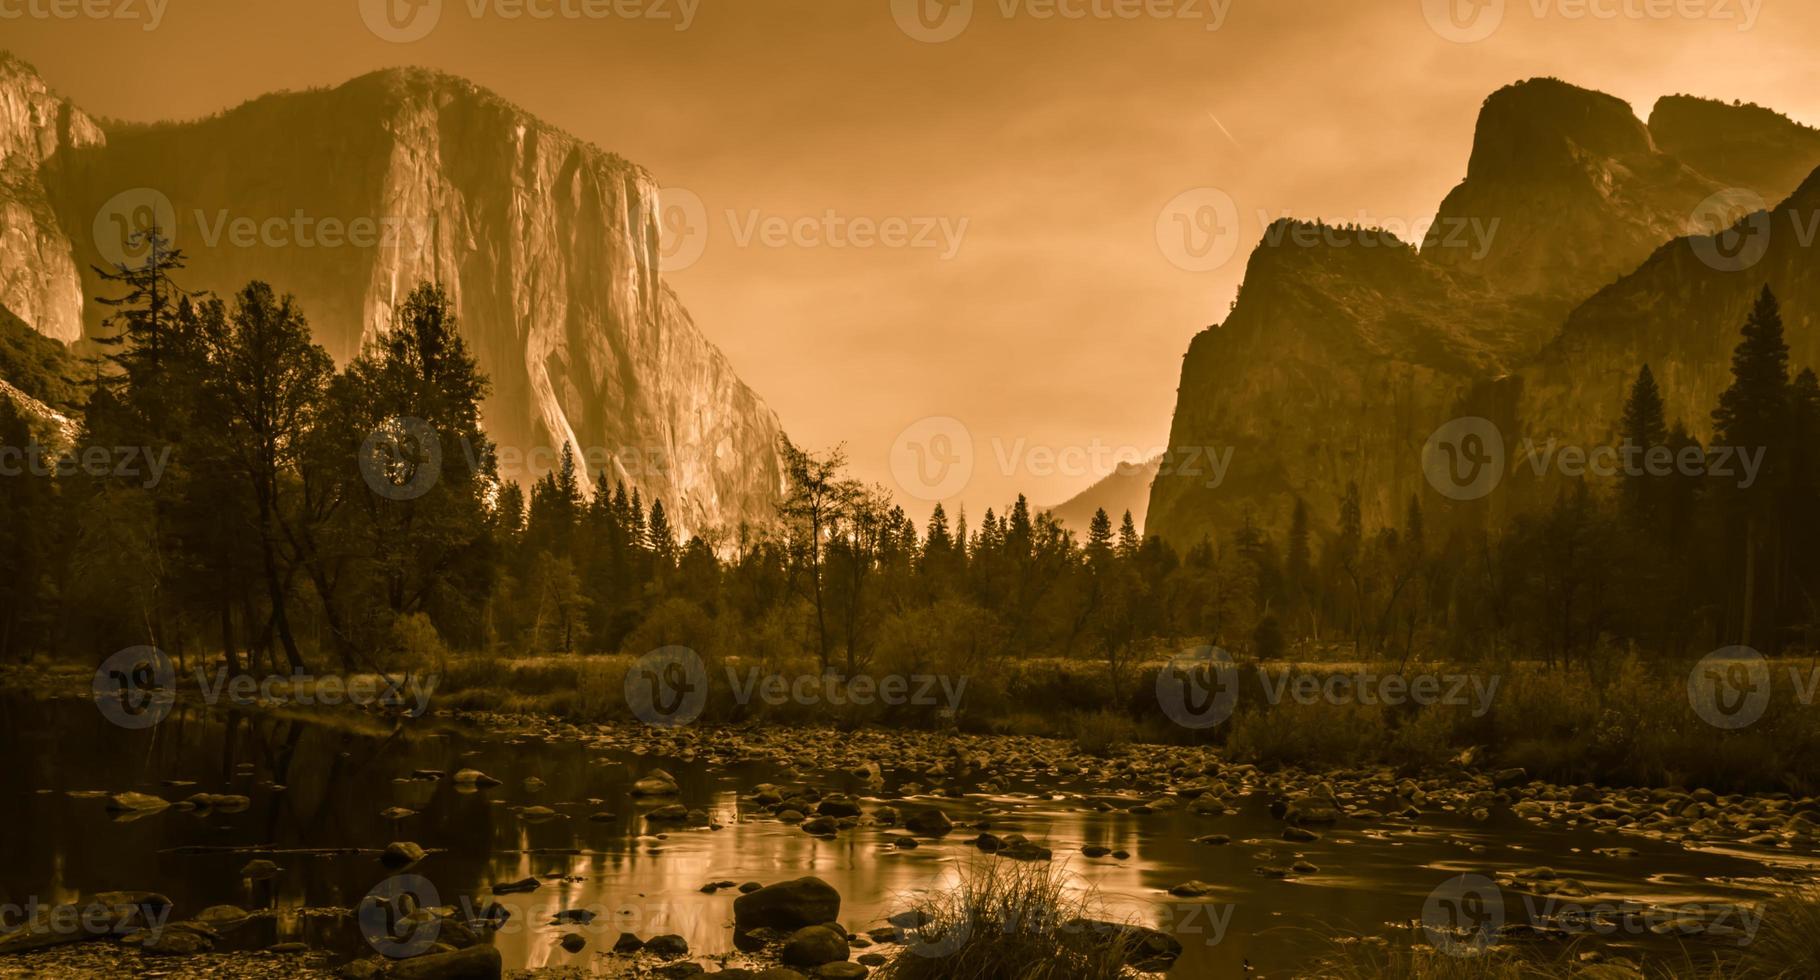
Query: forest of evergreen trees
<point>266,543</point>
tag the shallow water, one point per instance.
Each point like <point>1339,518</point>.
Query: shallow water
<point>1373,878</point>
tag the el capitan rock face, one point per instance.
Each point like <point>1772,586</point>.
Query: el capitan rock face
<point>1336,364</point>
<point>38,275</point>
<point>347,197</point>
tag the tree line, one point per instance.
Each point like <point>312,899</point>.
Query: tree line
<point>271,539</point>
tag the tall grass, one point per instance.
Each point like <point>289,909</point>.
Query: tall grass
<point>1009,920</point>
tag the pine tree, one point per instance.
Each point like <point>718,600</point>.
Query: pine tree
<point>1643,431</point>
<point>1753,416</point>
<point>1129,542</point>
<point>1099,539</point>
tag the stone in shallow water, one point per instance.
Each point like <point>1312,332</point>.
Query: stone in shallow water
<point>787,905</point>
<point>814,945</point>
<point>259,869</point>
<point>669,946</point>
<point>401,853</point>
<point>136,803</point>
<point>573,942</point>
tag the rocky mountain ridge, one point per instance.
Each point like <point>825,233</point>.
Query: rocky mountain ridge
<point>1337,364</point>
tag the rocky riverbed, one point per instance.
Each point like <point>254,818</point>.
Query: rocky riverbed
<point>484,845</point>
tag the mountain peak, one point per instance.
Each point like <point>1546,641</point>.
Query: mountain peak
<point>1545,122</point>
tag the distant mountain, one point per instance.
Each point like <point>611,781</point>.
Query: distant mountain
<point>348,197</point>
<point>1339,360</point>
<point>1126,488</point>
<point>1744,146</point>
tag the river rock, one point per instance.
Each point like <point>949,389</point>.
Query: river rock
<point>793,904</point>
<point>259,869</point>
<point>474,777</point>
<point>928,822</point>
<point>669,946</point>
<point>473,963</point>
<point>130,802</point>
<point>812,946</point>
<point>401,854</point>
<point>656,783</point>
<point>840,971</point>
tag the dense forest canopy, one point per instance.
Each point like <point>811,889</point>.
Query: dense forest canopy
<point>308,516</point>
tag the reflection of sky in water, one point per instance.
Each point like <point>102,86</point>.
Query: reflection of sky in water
<point>1371,877</point>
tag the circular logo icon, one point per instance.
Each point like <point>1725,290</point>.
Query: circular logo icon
<point>131,224</point>
<point>1464,459</point>
<point>396,917</point>
<point>1730,230</point>
<point>1730,688</point>
<point>136,687</point>
<point>401,21</point>
<point>1198,230</point>
<point>1464,915</point>
<point>932,21</point>
<point>1464,21</point>
<point>402,458</point>
<point>669,229</point>
<point>1198,689</point>
<point>667,687</point>
<point>932,459</point>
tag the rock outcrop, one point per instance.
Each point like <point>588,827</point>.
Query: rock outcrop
<point>1568,267</point>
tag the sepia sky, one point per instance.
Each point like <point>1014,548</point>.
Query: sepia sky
<point>1035,163</point>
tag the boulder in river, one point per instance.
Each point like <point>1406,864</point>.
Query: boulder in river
<point>669,946</point>
<point>928,822</point>
<point>656,783</point>
<point>474,963</point>
<point>793,904</point>
<point>401,854</point>
<point>474,777</point>
<point>130,802</point>
<point>811,946</point>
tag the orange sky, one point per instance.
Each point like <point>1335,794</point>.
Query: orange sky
<point>1043,151</point>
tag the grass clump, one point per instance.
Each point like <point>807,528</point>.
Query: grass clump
<point>1015,920</point>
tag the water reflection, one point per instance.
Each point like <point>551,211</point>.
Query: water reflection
<point>318,794</point>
